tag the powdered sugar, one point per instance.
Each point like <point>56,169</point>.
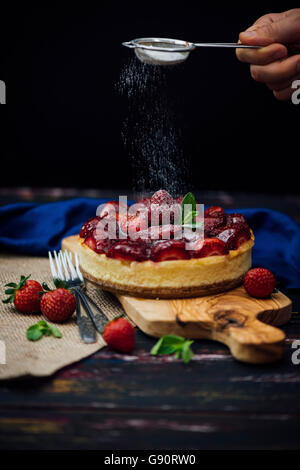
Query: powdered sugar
<point>151,135</point>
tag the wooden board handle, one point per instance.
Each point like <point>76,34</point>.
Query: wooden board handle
<point>233,318</point>
<point>240,322</point>
<point>248,339</point>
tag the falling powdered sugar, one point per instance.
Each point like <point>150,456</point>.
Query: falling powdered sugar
<point>150,132</point>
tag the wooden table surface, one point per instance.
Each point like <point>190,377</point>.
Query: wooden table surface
<point>113,401</point>
<point>136,401</point>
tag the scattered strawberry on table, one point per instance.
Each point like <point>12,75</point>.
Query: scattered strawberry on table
<point>30,296</point>
<point>119,334</point>
<point>259,282</point>
<point>58,305</point>
<point>25,295</point>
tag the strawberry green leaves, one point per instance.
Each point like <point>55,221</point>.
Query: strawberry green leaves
<point>13,288</point>
<point>59,283</point>
<point>171,344</point>
<point>41,328</point>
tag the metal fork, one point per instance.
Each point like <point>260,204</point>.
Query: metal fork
<point>63,269</point>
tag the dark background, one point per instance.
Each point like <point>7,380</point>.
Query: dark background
<point>62,122</point>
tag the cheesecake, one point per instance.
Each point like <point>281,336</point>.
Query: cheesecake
<point>163,261</point>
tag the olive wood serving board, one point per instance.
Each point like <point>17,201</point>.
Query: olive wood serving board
<point>245,324</point>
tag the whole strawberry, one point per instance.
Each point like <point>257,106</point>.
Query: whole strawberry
<point>58,305</point>
<point>259,282</point>
<point>25,295</point>
<point>119,334</point>
<point>161,197</point>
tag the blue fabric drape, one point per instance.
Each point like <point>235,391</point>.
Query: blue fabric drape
<point>33,229</point>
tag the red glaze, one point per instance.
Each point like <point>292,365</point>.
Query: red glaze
<point>143,209</point>
<point>222,233</point>
<point>146,201</point>
<point>161,232</point>
<point>236,219</point>
<point>100,246</point>
<point>88,227</point>
<point>214,211</point>
<point>169,250</point>
<point>129,250</point>
<point>131,224</point>
<point>108,225</point>
<point>164,214</point>
<point>111,208</point>
<point>211,224</point>
<point>234,235</point>
<point>209,247</point>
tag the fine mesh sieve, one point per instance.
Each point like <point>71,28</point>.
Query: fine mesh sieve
<point>165,51</point>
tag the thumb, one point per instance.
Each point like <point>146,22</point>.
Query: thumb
<point>284,28</point>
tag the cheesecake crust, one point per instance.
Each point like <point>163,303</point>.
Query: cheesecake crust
<point>184,292</point>
<point>167,279</point>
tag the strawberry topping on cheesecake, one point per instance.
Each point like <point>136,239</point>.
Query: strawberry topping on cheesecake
<point>164,247</point>
<point>221,232</point>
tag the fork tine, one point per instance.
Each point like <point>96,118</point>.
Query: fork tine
<point>64,264</point>
<point>68,257</point>
<point>58,265</point>
<point>79,274</point>
<point>52,267</point>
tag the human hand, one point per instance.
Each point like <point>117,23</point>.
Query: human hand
<point>278,63</point>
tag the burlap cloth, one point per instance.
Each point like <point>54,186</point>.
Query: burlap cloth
<point>47,355</point>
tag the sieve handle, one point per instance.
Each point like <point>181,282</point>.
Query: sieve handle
<point>234,45</point>
<point>129,44</point>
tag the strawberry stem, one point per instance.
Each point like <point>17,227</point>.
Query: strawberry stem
<point>14,288</point>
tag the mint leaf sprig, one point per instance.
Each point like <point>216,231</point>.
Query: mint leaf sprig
<point>189,199</point>
<point>171,344</point>
<point>188,219</point>
<point>41,328</point>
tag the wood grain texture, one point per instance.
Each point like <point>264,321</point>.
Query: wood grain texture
<point>241,322</point>
<point>138,401</point>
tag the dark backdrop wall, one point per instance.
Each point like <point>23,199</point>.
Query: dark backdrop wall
<point>63,118</point>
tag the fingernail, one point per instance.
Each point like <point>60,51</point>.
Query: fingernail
<point>249,34</point>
